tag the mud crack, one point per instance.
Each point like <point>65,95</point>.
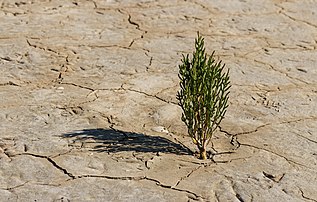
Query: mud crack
<point>118,89</point>
<point>17,186</point>
<point>234,139</point>
<point>277,154</point>
<point>77,85</point>
<point>306,138</point>
<point>298,20</point>
<point>42,48</point>
<point>140,178</point>
<point>8,59</point>
<point>149,95</point>
<point>187,176</point>
<point>137,26</point>
<point>63,170</point>
<point>9,83</point>
<point>133,23</point>
<point>306,197</point>
<point>150,62</point>
<point>279,71</point>
<point>235,142</point>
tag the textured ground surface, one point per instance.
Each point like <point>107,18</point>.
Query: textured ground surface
<point>88,109</point>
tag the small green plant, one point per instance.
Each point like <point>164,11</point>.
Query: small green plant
<point>203,96</point>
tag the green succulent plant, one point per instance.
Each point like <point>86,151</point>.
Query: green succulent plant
<point>204,94</point>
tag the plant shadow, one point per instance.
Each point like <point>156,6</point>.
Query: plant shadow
<point>112,141</point>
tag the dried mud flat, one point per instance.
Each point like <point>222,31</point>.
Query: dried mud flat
<point>88,107</point>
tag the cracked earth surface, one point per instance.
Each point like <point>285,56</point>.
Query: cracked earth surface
<point>88,107</point>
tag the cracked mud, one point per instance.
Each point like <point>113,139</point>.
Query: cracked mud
<point>88,107</point>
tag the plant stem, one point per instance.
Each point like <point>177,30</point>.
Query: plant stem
<point>203,153</point>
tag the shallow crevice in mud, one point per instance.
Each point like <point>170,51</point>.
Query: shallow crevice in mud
<point>42,48</point>
<point>74,177</point>
<point>157,182</point>
<point>297,20</point>
<point>149,95</point>
<point>17,186</point>
<point>137,26</point>
<point>79,86</point>
<point>10,83</point>
<point>305,196</point>
<point>118,89</point>
<point>234,137</point>
<point>229,134</point>
<point>306,138</point>
<point>187,175</point>
<point>49,159</point>
<point>235,142</point>
<point>292,162</point>
<point>279,71</point>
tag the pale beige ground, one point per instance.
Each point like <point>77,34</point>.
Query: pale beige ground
<point>88,107</point>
